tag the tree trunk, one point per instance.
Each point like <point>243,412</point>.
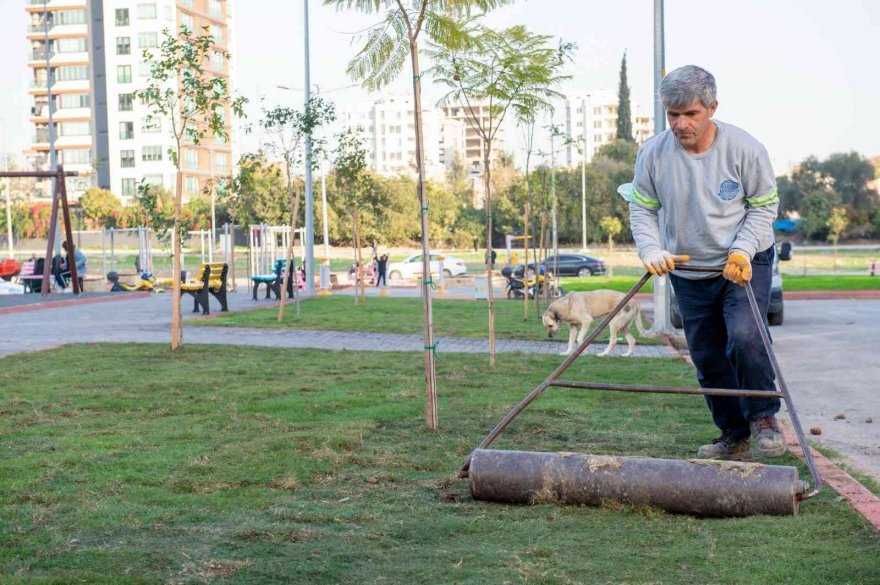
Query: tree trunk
<point>288,268</point>
<point>490,265</point>
<point>428,321</point>
<point>360,282</point>
<point>176,322</point>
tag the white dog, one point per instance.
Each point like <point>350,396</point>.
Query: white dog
<point>579,309</point>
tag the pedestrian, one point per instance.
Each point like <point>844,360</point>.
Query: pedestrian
<point>716,187</point>
<point>381,267</point>
<point>374,270</point>
<point>61,268</point>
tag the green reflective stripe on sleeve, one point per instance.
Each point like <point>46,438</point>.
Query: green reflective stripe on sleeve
<point>763,201</point>
<point>646,202</point>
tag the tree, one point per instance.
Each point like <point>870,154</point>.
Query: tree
<point>287,130</point>
<point>848,174</point>
<point>256,193</point>
<point>99,205</point>
<point>352,180</point>
<point>612,226</point>
<point>196,104</point>
<point>509,70</point>
<point>836,223</point>
<point>815,210</point>
<point>381,59</point>
<point>624,118</point>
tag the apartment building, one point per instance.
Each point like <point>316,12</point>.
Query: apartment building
<point>96,59</point>
<point>596,111</point>
<point>62,63</point>
<point>388,129</point>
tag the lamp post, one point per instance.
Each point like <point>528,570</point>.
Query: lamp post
<point>53,156</point>
<point>584,176</point>
<point>662,321</point>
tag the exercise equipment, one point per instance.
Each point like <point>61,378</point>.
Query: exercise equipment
<point>699,487</point>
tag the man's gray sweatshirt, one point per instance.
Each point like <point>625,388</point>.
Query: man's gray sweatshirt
<point>704,205</point>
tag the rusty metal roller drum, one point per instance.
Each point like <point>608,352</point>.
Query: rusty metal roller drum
<point>698,487</point>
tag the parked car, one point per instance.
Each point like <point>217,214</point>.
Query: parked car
<point>576,265</point>
<point>412,267</point>
<point>775,312</point>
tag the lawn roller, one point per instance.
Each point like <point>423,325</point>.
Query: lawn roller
<point>693,486</point>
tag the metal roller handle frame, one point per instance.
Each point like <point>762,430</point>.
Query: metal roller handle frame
<point>553,378</point>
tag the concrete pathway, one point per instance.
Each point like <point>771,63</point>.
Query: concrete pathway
<point>147,320</point>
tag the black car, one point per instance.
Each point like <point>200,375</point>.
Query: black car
<point>576,265</point>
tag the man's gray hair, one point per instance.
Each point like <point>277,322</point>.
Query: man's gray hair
<point>682,86</point>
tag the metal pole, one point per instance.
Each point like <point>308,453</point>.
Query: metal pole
<point>662,321</point>
<point>53,157</point>
<point>309,239</point>
<point>324,211</point>
<point>213,209</point>
<point>584,179</point>
<point>553,200</point>
<point>8,210</point>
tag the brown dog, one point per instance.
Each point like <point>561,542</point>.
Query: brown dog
<point>579,309</point>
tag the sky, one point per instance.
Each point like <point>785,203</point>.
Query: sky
<point>799,75</point>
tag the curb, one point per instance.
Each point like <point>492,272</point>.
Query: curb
<point>860,498</point>
<point>72,302</point>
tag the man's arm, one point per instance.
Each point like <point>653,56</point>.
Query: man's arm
<point>762,200</point>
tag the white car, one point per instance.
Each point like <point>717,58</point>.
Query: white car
<point>412,267</point>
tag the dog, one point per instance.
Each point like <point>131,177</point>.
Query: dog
<point>579,309</point>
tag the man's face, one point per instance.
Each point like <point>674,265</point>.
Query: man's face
<point>691,125</point>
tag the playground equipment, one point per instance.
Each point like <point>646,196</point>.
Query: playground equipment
<point>699,487</point>
<point>59,203</point>
<point>268,243</point>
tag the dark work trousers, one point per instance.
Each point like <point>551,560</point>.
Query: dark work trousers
<point>381,278</point>
<point>725,343</point>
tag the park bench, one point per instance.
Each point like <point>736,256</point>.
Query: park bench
<point>211,278</point>
<point>274,281</point>
<point>30,277</point>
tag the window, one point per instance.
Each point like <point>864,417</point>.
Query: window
<point>123,73</point>
<point>122,17</point>
<point>127,187</point>
<point>75,128</point>
<point>71,46</point>
<point>151,153</point>
<point>220,162</point>
<point>70,17</point>
<point>75,156</point>
<point>155,180</point>
<point>218,61</point>
<point>126,102</point>
<point>186,20</point>
<point>126,159</point>
<point>148,40</point>
<point>216,32</point>
<point>73,73</point>
<point>126,130</point>
<point>146,11</point>
<point>192,159</point>
<point>186,3</point>
<point>144,69</point>
<point>191,186</point>
<point>215,7</point>
<point>74,100</point>
<point>123,45</point>
<point>151,125</point>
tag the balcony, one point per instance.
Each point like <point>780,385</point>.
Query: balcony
<point>41,137</point>
<point>42,55</point>
<point>39,83</point>
<point>33,2</point>
<point>39,28</point>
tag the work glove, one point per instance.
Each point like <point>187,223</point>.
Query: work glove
<point>660,262</point>
<point>738,269</point>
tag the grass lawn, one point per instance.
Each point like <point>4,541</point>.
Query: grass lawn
<point>132,464</point>
<point>452,318</point>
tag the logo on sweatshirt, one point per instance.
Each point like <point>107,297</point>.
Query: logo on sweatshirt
<point>728,190</point>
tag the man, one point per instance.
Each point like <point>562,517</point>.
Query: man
<point>61,268</point>
<point>381,266</point>
<point>704,190</point>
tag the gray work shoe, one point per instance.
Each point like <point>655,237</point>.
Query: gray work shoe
<point>727,448</point>
<point>769,441</point>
